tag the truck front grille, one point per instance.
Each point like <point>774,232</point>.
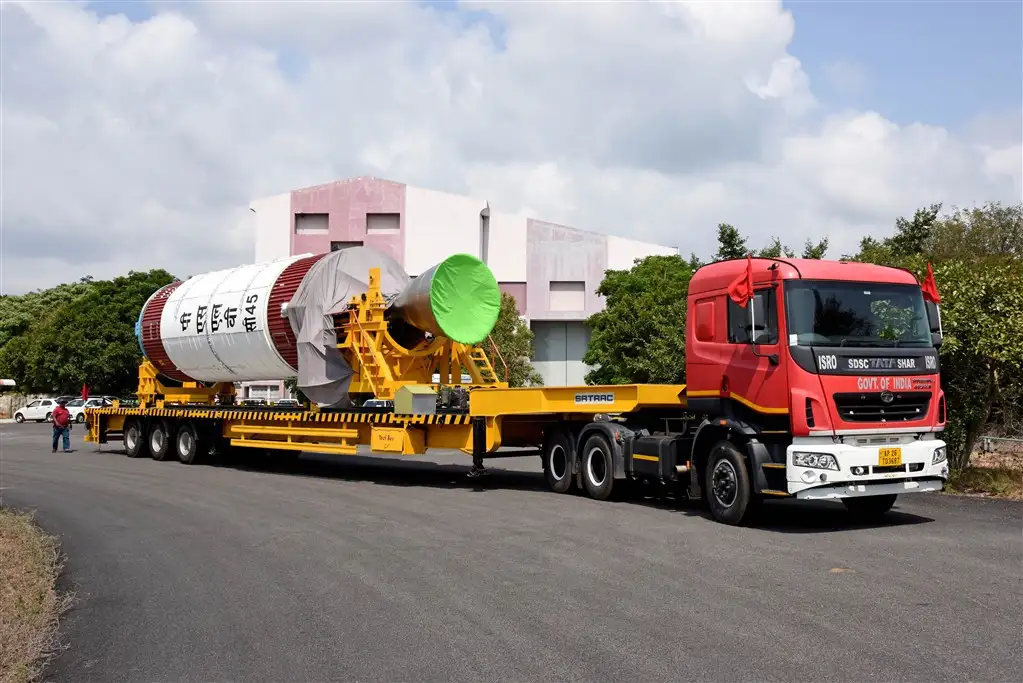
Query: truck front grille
<point>904,406</point>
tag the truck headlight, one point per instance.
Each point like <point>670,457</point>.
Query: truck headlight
<point>818,461</point>
<point>939,456</point>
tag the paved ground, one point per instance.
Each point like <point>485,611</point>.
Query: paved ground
<point>369,569</point>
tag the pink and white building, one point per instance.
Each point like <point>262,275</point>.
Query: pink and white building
<point>552,270</point>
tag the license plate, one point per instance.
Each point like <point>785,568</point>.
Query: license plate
<point>889,457</point>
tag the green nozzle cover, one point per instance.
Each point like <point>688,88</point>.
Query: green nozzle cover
<point>464,298</point>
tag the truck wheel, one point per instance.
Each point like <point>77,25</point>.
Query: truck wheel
<point>187,444</point>
<point>598,468</point>
<point>134,438</point>
<point>869,507</point>
<point>159,440</point>
<point>727,483</point>
<point>557,463</point>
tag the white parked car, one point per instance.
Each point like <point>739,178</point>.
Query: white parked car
<point>39,410</point>
<point>78,406</point>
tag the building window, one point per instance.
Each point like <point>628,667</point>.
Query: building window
<point>565,295</point>
<point>341,246</point>
<point>765,308</point>
<point>383,223</point>
<point>311,223</point>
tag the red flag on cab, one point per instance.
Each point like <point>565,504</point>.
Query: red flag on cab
<point>930,287</point>
<point>741,289</point>
<point>85,392</point>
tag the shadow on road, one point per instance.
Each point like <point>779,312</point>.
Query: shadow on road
<point>780,516</point>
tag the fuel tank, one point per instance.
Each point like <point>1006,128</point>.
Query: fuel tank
<point>233,325</point>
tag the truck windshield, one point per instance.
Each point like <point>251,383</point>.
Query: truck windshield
<point>829,313</point>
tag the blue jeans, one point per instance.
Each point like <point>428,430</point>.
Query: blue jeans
<point>57,432</point>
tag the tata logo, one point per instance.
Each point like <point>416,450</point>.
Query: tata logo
<point>887,397</point>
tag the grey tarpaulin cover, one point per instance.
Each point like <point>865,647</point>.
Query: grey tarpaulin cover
<point>323,373</point>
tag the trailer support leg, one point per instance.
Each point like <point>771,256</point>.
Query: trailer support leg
<point>479,446</point>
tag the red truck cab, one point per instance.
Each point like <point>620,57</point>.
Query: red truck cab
<point>829,382</point>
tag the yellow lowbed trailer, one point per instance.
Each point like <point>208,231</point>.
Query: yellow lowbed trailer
<point>588,436</point>
<point>578,430</point>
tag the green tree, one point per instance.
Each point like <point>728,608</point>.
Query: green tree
<point>640,336</point>
<point>17,313</point>
<point>89,339</point>
<point>977,256</point>
<point>775,250</point>
<point>514,341</point>
<point>816,251</point>
<point>731,243</point>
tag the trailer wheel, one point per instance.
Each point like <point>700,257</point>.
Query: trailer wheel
<point>557,462</point>
<point>727,484</point>
<point>187,444</point>
<point>598,468</point>
<point>869,507</point>
<point>159,440</point>
<point>134,438</point>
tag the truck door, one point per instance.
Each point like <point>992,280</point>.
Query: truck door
<point>758,386</point>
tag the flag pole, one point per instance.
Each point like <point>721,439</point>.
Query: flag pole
<point>752,312</point>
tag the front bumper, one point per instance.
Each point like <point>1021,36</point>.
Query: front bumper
<point>917,474</point>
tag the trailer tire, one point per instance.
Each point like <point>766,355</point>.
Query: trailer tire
<point>134,436</point>
<point>557,461</point>
<point>598,467</point>
<point>728,487</point>
<point>187,444</point>
<point>869,508</point>
<point>159,440</point>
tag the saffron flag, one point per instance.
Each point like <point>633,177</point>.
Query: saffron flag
<point>930,287</point>
<point>741,289</point>
<point>85,392</point>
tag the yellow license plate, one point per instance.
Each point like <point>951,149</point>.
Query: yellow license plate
<point>889,457</point>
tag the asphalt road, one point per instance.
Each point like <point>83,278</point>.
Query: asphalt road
<point>369,569</point>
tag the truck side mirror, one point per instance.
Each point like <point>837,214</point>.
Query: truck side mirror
<point>934,323</point>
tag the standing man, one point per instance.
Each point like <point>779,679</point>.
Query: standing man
<point>61,426</point>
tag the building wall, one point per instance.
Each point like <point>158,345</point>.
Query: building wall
<point>270,218</point>
<point>622,253</point>
<point>552,270</point>
<point>564,267</point>
<point>439,225</point>
<point>346,205</point>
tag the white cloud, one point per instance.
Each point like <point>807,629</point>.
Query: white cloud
<point>138,145</point>
<point>846,76</point>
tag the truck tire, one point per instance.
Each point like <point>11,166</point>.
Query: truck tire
<point>134,438</point>
<point>159,440</point>
<point>728,487</point>
<point>187,444</point>
<point>557,461</point>
<point>598,468</point>
<point>869,507</point>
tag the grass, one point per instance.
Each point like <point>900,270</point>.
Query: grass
<point>30,605</point>
<point>997,475</point>
<point>996,482</point>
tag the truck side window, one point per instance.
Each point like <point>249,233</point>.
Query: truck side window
<point>766,308</point>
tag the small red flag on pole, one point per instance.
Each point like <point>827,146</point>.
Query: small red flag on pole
<point>85,392</point>
<point>741,289</point>
<point>930,287</point>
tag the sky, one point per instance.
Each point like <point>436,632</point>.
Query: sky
<point>135,134</point>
